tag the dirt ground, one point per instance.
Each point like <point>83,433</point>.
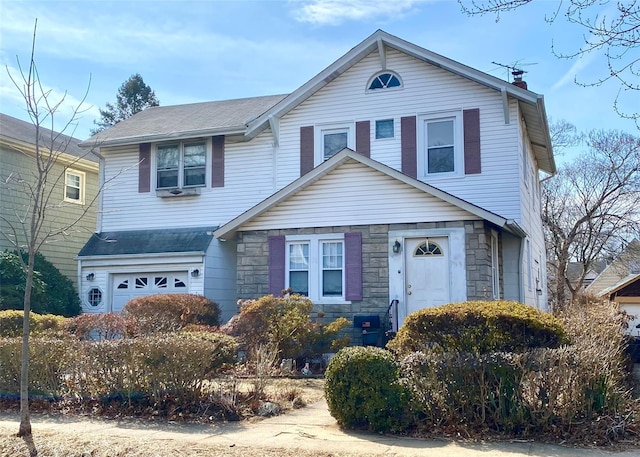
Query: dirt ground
<point>69,444</point>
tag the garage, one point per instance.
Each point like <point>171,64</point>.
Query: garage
<point>132,285</point>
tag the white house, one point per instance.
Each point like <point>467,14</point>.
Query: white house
<point>394,175</point>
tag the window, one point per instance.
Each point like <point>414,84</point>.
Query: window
<point>74,186</point>
<point>441,146</point>
<point>181,165</point>
<point>427,249</point>
<point>315,266</point>
<point>384,129</point>
<point>95,296</point>
<point>384,81</point>
<point>332,139</point>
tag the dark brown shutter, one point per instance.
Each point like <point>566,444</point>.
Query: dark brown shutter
<point>306,150</point>
<point>144,167</point>
<point>276,261</point>
<point>408,146</point>
<point>363,138</point>
<point>471,120</point>
<point>217,161</point>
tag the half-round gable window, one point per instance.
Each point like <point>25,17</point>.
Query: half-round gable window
<point>384,80</point>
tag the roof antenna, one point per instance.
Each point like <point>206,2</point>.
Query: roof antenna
<point>516,73</point>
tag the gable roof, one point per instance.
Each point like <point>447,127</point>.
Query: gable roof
<point>337,160</point>
<point>226,117</point>
<point>619,286</point>
<point>178,240</point>
<point>618,270</point>
<point>248,117</point>
<point>23,135</point>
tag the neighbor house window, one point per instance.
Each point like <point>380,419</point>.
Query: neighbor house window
<point>181,165</point>
<point>331,139</point>
<point>74,186</point>
<point>315,266</point>
<point>441,148</point>
<point>384,129</point>
<point>384,81</point>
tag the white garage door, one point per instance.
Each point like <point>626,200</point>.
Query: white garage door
<point>128,286</point>
<point>634,312</point>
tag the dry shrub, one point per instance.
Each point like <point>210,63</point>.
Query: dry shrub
<point>171,312</point>
<point>285,322</point>
<point>101,326</point>
<point>540,391</point>
<point>177,364</point>
<point>50,360</point>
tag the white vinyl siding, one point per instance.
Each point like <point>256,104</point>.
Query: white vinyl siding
<point>355,193</point>
<point>426,90</point>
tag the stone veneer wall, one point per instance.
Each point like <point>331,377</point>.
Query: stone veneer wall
<point>253,273</point>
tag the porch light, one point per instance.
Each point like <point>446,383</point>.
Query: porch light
<point>195,273</point>
<point>397,247</point>
<point>90,276</point>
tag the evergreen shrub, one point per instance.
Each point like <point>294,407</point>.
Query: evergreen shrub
<point>363,391</point>
<point>11,323</point>
<point>52,292</point>
<point>478,327</point>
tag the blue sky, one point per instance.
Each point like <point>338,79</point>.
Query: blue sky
<point>193,51</point>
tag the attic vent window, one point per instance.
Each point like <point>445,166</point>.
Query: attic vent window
<point>385,81</point>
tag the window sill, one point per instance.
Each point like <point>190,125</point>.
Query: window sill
<point>171,193</point>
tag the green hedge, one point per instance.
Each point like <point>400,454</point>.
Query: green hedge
<point>11,323</point>
<point>479,327</point>
<point>362,389</point>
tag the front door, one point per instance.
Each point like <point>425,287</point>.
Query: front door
<point>427,272</point>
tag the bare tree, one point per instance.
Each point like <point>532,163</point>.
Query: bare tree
<point>614,32</point>
<point>31,226</point>
<point>591,207</point>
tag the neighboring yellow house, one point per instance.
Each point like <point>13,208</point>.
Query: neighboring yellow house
<point>75,181</point>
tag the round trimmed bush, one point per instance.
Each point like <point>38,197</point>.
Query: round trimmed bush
<point>171,312</point>
<point>363,391</point>
<point>11,323</point>
<point>480,327</point>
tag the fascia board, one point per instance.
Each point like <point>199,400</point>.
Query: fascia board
<point>184,135</point>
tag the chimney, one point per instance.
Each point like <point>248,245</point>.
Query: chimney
<point>517,78</point>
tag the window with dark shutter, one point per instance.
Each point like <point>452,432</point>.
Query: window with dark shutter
<point>276,264</point>
<point>217,162</point>
<point>353,265</point>
<point>144,167</point>
<point>471,121</point>
<point>408,146</point>
<point>363,138</point>
<point>306,149</point>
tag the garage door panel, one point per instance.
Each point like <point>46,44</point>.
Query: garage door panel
<point>132,285</point>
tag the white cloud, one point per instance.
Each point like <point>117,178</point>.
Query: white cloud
<point>335,12</point>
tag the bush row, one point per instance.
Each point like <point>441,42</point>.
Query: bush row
<point>530,390</point>
<point>178,364</point>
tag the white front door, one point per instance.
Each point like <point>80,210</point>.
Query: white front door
<point>427,272</point>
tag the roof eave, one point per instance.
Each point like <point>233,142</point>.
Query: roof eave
<point>239,130</point>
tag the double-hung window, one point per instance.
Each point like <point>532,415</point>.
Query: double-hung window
<point>181,165</point>
<point>315,266</point>
<point>74,186</point>
<point>331,139</point>
<point>441,150</point>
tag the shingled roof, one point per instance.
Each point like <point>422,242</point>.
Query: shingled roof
<point>148,241</point>
<point>183,121</point>
<point>20,131</point>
